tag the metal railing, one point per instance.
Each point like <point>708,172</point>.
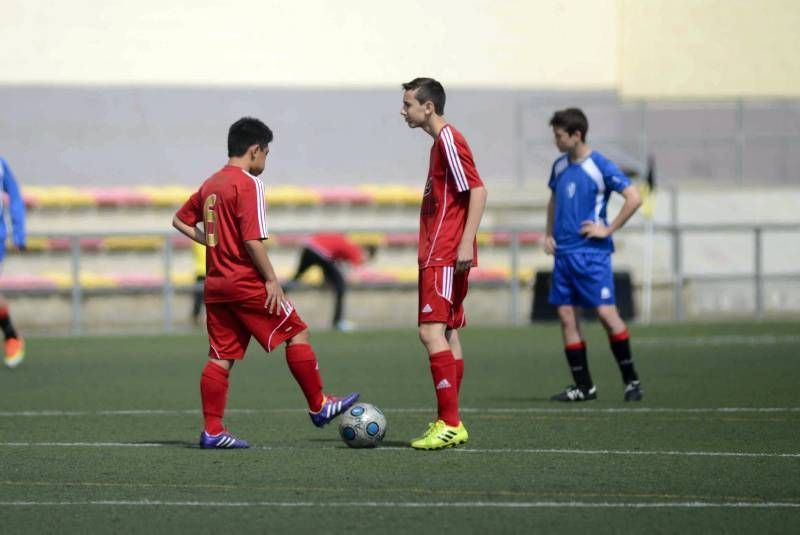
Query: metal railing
<point>678,278</point>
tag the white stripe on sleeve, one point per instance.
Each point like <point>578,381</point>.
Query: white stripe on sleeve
<point>261,209</point>
<point>454,160</point>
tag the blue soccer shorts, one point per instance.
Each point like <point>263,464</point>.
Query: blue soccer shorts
<point>582,279</point>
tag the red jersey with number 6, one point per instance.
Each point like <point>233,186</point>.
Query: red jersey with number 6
<point>451,175</point>
<point>233,208</point>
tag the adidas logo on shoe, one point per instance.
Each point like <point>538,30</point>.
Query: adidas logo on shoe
<point>633,391</point>
<point>576,393</point>
<point>444,383</point>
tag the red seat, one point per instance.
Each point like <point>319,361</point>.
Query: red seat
<point>366,275</point>
<point>482,274</point>
<point>345,195</point>
<point>525,238</point>
<point>402,239</point>
<point>289,240</point>
<point>181,242</point>
<point>128,280</point>
<point>27,282</point>
<point>118,197</point>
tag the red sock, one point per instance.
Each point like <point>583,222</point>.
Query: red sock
<point>443,370</point>
<point>3,313</point>
<point>459,372</point>
<point>214,394</point>
<point>303,365</point>
<point>619,337</point>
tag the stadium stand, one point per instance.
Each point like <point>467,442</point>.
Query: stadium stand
<point>148,210</point>
<point>122,234</point>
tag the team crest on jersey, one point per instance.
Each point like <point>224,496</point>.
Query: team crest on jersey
<point>428,187</point>
<point>429,204</point>
<point>571,190</point>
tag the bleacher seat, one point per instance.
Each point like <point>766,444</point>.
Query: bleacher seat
<point>393,194</point>
<point>344,195</point>
<point>119,197</point>
<point>44,197</point>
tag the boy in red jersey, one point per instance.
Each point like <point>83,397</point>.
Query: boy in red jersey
<point>452,207</point>
<point>242,294</point>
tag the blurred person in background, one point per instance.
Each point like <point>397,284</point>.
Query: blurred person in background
<point>579,237</point>
<point>14,344</point>
<point>199,264</point>
<point>331,251</point>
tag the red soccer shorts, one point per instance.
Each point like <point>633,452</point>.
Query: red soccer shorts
<point>230,326</point>
<point>441,296</point>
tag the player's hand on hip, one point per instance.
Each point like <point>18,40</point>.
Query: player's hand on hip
<point>275,297</point>
<point>590,229</point>
<point>549,245</point>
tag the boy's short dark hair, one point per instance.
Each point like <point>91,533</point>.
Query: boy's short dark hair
<point>428,89</point>
<point>571,120</point>
<point>245,133</point>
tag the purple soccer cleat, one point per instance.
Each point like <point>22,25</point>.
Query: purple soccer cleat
<point>332,407</point>
<point>222,441</point>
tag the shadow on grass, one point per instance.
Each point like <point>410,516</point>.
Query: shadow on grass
<point>385,443</point>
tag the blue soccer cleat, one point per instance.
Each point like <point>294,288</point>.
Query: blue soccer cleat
<point>222,441</point>
<point>332,407</point>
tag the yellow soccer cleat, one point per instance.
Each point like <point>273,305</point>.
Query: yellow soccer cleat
<point>440,435</point>
<point>15,352</point>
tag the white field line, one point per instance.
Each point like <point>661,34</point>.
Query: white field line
<point>717,340</point>
<point>412,505</point>
<point>531,451</point>
<point>500,410</point>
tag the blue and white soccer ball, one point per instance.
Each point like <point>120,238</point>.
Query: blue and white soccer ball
<point>362,426</point>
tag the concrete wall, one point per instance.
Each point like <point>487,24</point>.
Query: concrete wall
<point>658,49</point>
<point>113,92</point>
<point>103,136</point>
<point>705,49</point>
<point>309,43</point>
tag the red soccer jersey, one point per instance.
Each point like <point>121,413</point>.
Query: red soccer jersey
<point>232,206</point>
<point>451,175</point>
<point>334,246</point>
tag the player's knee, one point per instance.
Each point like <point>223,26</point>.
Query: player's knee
<point>610,318</point>
<point>429,333</point>
<point>302,337</point>
<point>567,317</point>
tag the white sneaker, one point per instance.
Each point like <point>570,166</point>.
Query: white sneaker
<point>345,326</point>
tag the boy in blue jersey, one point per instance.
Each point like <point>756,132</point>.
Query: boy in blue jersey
<point>579,236</point>
<point>14,345</point>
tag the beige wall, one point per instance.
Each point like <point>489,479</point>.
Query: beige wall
<point>709,48</point>
<point>642,48</point>
<point>491,43</point>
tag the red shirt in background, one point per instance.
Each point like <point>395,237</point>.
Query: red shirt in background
<point>233,208</point>
<point>336,247</point>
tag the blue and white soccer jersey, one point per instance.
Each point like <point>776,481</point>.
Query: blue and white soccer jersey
<point>582,273</point>
<point>15,208</point>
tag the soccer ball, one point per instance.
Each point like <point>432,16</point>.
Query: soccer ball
<point>362,426</point>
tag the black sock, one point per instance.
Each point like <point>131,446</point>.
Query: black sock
<point>621,347</point>
<point>8,329</point>
<point>576,357</point>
